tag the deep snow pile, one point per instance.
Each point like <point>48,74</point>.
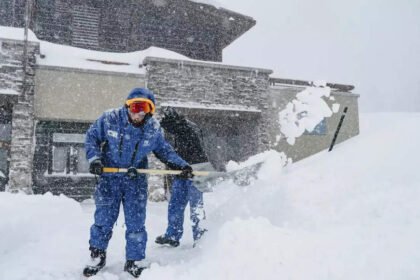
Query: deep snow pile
<point>353,213</point>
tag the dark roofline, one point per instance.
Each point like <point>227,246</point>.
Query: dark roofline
<point>251,23</point>
<point>245,24</point>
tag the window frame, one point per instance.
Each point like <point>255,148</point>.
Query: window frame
<point>73,144</point>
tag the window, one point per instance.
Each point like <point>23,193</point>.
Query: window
<point>320,129</point>
<point>5,124</point>
<point>59,156</point>
<point>82,165</point>
<point>68,154</point>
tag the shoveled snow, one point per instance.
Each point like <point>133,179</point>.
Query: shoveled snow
<point>350,214</point>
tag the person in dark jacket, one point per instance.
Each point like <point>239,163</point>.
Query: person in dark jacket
<point>188,143</point>
<point>122,138</point>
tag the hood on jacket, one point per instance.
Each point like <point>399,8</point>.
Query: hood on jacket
<point>141,94</point>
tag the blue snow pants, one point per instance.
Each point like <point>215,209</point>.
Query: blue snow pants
<point>183,191</point>
<point>110,193</point>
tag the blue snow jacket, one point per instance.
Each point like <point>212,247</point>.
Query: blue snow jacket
<point>118,143</point>
<point>114,140</point>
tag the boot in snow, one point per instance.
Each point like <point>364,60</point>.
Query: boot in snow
<point>198,237</point>
<point>98,258</point>
<point>133,269</point>
<point>163,240</point>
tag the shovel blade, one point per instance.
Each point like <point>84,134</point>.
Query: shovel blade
<point>240,177</point>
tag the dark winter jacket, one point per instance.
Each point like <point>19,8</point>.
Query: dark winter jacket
<point>187,136</point>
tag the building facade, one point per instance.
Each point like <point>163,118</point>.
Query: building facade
<point>196,30</point>
<point>45,110</point>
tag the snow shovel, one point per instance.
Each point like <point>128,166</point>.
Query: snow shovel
<point>240,177</point>
<point>197,174</point>
<point>204,181</point>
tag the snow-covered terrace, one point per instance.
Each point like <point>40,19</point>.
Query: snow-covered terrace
<point>72,57</point>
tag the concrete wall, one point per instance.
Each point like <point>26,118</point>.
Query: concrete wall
<point>79,95</point>
<point>17,80</point>
<point>307,145</point>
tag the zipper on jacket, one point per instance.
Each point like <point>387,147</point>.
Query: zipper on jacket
<point>121,141</point>
<point>133,157</point>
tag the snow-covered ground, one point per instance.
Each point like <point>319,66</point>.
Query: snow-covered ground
<point>351,214</point>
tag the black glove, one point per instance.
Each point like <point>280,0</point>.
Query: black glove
<point>96,167</point>
<point>187,172</point>
<point>132,172</point>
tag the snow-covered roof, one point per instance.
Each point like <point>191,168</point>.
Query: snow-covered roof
<point>72,57</point>
<point>13,33</point>
<point>67,56</point>
<point>8,91</point>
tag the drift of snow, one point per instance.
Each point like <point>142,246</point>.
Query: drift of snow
<point>305,112</point>
<point>350,214</point>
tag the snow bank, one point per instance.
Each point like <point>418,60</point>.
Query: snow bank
<point>41,236</point>
<point>350,214</point>
<point>343,215</point>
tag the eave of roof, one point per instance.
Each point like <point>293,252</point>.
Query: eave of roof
<point>232,24</point>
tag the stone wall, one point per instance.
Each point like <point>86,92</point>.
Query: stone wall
<point>216,86</point>
<point>13,81</point>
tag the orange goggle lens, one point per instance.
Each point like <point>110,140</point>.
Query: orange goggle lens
<point>138,107</point>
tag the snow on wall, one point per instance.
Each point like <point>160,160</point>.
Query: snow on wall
<point>305,112</point>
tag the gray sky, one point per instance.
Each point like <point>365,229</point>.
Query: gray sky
<point>372,44</point>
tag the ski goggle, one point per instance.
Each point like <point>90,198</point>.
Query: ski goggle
<point>137,107</point>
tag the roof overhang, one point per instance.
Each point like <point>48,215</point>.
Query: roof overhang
<point>230,24</point>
